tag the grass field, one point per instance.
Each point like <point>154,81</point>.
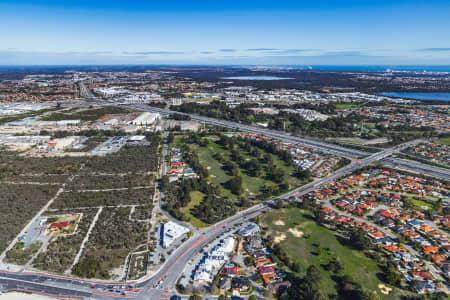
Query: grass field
<point>251,185</point>
<point>444,141</point>
<point>87,115</point>
<point>196,198</point>
<point>420,203</point>
<point>12,118</point>
<point>346,105</point>
<point>319,248</point>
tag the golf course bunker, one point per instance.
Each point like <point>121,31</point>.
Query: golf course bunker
<point>295,232</point>
<point>279,238</point>
<point>384,289</point>
<point>279,223</point>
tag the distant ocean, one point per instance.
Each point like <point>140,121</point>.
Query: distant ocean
<point>368,68</point>
<point>419,96</point>
<point>383,68</point>
<point>256,78</point>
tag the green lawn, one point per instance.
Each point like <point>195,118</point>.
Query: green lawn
<point>218,176</point>
<point>305,251</point>
<point>444,141</point>
<point>196,198</point>
<point>420,203</point>
<point>346,105</point>
<point>251,185</point>
<point>369,125</point>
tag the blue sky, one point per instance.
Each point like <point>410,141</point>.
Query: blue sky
<point>225,32</point>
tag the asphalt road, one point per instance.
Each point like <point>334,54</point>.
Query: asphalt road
<point>320,146</point>
<point>84,91</point>
<point>162,284</point>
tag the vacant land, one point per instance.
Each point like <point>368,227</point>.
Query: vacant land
<point>111,240</point>
<point>109,181</point>
<point>57,179</point>
<point>316,245</point>
<point>143,212</point>
<point>18,204</point>
<point>104,198</point>
<point>13,167</point>
<point>189,210</point>
<point>20,255</point>
<point>87,115</point>
<point>123,178</point>
<point>90,144</point>
<point>130,159</point>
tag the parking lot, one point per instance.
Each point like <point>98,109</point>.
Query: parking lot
<point>112,145</point>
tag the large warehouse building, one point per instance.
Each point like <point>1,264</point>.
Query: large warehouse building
<point>146,118</point>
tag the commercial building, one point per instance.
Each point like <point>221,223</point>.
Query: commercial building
<point>214,260</point>
<point>250,229</point>
<point>146,118</point>
<point>170,232</point>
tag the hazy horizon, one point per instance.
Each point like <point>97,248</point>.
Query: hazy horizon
<point>49,32</point>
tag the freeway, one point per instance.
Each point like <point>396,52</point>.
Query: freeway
<point>85,92</point>
<point>296,140</point>
<point>383,156</point>
<point>417,167</point>
<point>330,148</point>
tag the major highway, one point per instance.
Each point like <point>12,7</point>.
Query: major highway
<point>384,156</point>
<point>303,141</point>
<point>85,92</point>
